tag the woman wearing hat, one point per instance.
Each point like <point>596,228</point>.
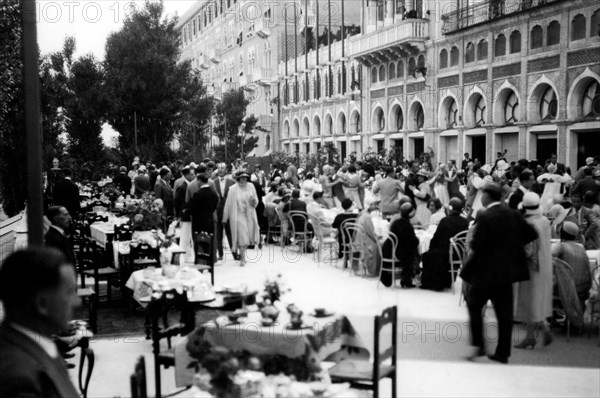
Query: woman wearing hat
<point>534,297</point>
<point>240,212</point>
<point>422,195</point>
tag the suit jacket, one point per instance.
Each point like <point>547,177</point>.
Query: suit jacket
<point>296,205</point>
<point>389,189</point>
<point>586,184</point>
<point>515,199</point>
<point>202,206</point>
<point>54,238</point>
<point>180,207</point>
<point>222,195</point>
<point>162,190</point>
<point>447,228</point>
<point>26,370</point>
<point>142,184</point>
<point>407,241</point>
<point>123,182</point>
<point>498,248</point>
<point>66,193</point>
<point>588,223</point>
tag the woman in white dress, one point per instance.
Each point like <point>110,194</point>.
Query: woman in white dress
<point>240,212</point>
<point>422,195</point>
<point>534,297</point>
<point>437,211</point>
<point>552,183</point>
<point>440,186</point>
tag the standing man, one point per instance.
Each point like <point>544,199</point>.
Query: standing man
<point>39,292</point>
<point>465,162</point>
<point>122,181</point>
<point>186,239</point>
<point>57,235</point>
<point>222,184</point>
<point>527,180</point>
<point>66,193</point>
<point>202,206</point>
<point>497,261</point>
<point>141,182</point>
<point>163,191</point>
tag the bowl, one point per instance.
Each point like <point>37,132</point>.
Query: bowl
<point>296,324</point>
<point>267,322</point>
<point>236,315</point>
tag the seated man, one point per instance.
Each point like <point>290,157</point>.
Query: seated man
<point>39,292</point>
<point>587,221</point>
<point>436,264</point>
<point>339,219</point>
<point>315,209</point>
<point>57,235</point>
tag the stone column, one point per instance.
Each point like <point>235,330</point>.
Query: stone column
<point>389,12</point>
<point>371,17</point>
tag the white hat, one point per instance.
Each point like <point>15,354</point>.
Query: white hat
<point>589,161</point>
<point>502,165</point>
<point>571,228</point>
<point>531,203</point>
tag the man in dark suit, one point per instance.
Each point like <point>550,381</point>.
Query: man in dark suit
<point>295,204</point>
<point>587,184</point>
<point>527,180</point>
<point>39,292</point>
<point>163,191</point>
<point>141,182</point>
<point>436,263</point>
<point>122,181</point>
<point>57,235</point>
<point>406,250</point>
<point>66,193</point>
<point>222,184</point>
<point>497,261</point>
<point>465,162</point>
<point>188,175</point>
<point>202,206</point>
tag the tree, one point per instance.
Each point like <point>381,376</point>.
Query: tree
<point>143,76</point>
<point>231,114</point>
<point>12,117</point>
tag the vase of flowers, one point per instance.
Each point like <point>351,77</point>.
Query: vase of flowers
<point>144,214</point>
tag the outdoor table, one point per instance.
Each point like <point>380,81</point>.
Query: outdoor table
<point>318,339</point>
<point>102,232</point>
<point>144,282</point>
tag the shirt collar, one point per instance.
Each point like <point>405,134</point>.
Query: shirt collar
<point>59,229</point>
<point>493,204</point>
<point>204,186</point>
<point>44,342</point>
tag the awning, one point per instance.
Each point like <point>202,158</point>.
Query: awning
<point>477,131</point>
<point>449,133</point>
<point>355,138</point>
<point>507,130</point>
<point>397,136</point>
<point>379,136</point>
<point>328,139</point>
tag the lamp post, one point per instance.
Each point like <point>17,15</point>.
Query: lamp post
<point>242,134</point>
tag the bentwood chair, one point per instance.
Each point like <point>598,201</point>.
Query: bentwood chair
<point>299,226</point>
<point>204,248</point>
<point>391,263</point>
<point>345,239</point>
<point>353,249</point>
<point>138,379</point>
<point>457,256</point>
<point>159,309</point>
<point>323,241</point>
<point>362,374</point>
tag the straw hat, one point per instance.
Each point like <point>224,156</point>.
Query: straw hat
<point>531,203</point>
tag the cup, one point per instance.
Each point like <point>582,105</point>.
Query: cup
<point>320,311</point>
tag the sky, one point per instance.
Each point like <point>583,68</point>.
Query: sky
<point>90,22</point>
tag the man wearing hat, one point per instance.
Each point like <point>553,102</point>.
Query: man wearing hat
<point>497,261</point>
<point>587,183</point>
<point>122,181</point>
<point>527,180</point>
<point>590,163</point>
<point>222,183</point>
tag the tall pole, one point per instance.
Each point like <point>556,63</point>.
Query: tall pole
<point>343,82</point>
<point>318,70</point>
<point>137,151</point>
<point>296,97</point>
<point>33,125</point>
<point>225,135</point>
<point>306,80</point>
<point>329,75</point>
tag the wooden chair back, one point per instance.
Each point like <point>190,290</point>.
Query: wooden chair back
<point>138,379</point>
<point>389,316</point>
<point>123,232</point>
<point>204,248</point>
<point>388,263</point>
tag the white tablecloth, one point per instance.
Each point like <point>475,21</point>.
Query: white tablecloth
<point>123,247</point>
<point>101,230</point>
<point>143,282</point>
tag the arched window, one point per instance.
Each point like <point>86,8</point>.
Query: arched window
<point>537,37</point>
<point>515,42</point>
<point>591,101</point>
<point>400,69</point>
<point>399,118</point>
<point>268,142</point>
<point>392,71</point>
<point>500,46</point>
<point>374,75</point>
<point>482,50</point>
<point>412,65</point>
<point>511,109</point>
<point>382,73</point>
<point>469,53</point>
<point>578,27</point>
<point>419,117</point>
<point>548,105</point>
<point>443,59</point>
<point>421,61</point>
<point>454,56</point>
<point>452,119</point>
<point>594,23</point>
<point>479,111</point>
<point>553,33</point>
<point>379,120</point>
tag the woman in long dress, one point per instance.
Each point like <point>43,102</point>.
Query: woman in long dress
<point>552,183</point>
<point>534,297</point>
<point>422,195</point>
<point>352,183</point>
<point>367,239</point>
<point>240,211</point>
<point>440,186</point>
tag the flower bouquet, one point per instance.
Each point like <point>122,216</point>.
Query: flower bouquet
<point>144,214</point>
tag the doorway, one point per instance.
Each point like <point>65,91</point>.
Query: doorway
<point>343,150</point>
<point>419,147</point>
<point>545,147</point>
<point>587,146</point>
<point>478,148</point>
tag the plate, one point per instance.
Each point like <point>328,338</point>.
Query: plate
<point>325,315</point>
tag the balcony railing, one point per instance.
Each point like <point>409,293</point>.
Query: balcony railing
<point>407,30</point>
<point>487,11</point>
